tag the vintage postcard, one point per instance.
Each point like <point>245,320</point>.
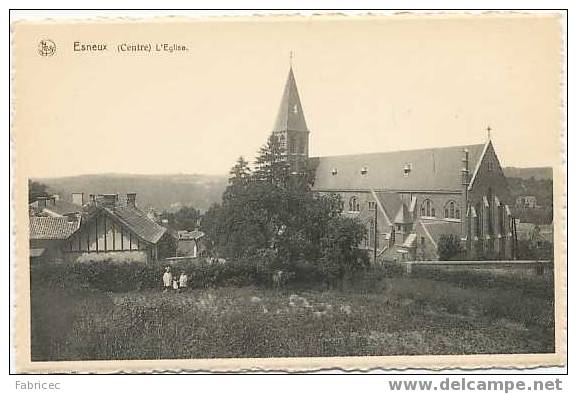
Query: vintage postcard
<point>289,193</point>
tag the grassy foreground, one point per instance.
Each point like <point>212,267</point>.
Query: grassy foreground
<point>429,312</point>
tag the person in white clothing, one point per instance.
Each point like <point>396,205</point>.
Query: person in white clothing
<point>183,280</point>
<point>167,279</point>
<point>174,283</point>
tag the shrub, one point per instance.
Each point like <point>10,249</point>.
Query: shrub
<point>448,247</point>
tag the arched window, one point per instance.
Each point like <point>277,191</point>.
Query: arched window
<point>452,210</point>
<point>354,205</point>
<point>427,208</point>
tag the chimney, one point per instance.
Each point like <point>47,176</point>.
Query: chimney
<point>109,200</point>
<point>41,202</point>
<point>78,198</point>
<point>465,169</point>
<point>131,199</point>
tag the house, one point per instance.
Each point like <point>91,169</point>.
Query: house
<point>106,227</point>
<point>524,202</point>
<point>409,199</point>
<point>48,235</point>
<point>54,206</point>
<point>189,243</point>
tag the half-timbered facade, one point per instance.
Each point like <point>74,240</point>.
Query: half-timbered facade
<point>121,231</point>
<point>105,228</point>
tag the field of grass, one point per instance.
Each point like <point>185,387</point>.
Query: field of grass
<point>377,313</point>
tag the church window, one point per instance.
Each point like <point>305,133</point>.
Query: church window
<point>452,210</point>
<point>490,166</point>
<point>354,205</point>
<point>291,144</point>
<point>479,221</point>
<point>334,171</point>
<point>491,211</point>
<point>427,208</point>
<point>364,170</point>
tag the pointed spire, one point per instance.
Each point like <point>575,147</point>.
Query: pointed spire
<point>290,114</point>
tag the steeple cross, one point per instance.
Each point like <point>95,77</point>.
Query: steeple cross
<point>489,132</point>
<point>291,59</point>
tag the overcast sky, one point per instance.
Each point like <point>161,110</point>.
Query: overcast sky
<point>366,85</point>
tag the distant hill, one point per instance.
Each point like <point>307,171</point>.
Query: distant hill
<point>539,173</point>
<point>169,192</point>
<point>163,192</point>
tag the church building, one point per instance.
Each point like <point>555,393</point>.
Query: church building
<point>409,200</point>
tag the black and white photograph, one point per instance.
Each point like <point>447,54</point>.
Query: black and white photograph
<point>348,191</point>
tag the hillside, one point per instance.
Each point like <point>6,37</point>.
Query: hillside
<point>169,192</point>
<point>539,173</point>
<point>163,192</point>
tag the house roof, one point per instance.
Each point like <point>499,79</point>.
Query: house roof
<point>429,169</point>
<point>57,207</point>
<point>137,221</point>
<point>435,228</point>
<point>390,202</point>
<point>403,215</point>
<point>189,235</point>
<point>290,114</point>
<point>43,227</point>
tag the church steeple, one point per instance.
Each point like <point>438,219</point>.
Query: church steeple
<point>291,127</point>
<point>290,114</point>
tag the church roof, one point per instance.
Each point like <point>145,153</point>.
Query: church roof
<point>434,229</point>
<point>403,216</point>
<point>290,114</point>
<point>390,202</point>
<point>412,170</point>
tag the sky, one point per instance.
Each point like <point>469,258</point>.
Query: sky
<point>366,85</point>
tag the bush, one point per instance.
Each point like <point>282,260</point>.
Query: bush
<point>449,247</point>
<point>112,276</point>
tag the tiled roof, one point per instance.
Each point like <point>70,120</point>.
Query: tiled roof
<point>138,222</point>
<point>429,169</point>
<point>290,114</point>
<point>52,227</point>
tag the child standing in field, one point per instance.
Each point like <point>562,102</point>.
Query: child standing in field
<point>167,279</point>
<point>183,280</point>
<point>174,283</point>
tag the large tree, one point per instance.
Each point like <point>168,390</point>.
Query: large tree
<point>186,218</point>
<point>274,211</point>
<point>36,190</point>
